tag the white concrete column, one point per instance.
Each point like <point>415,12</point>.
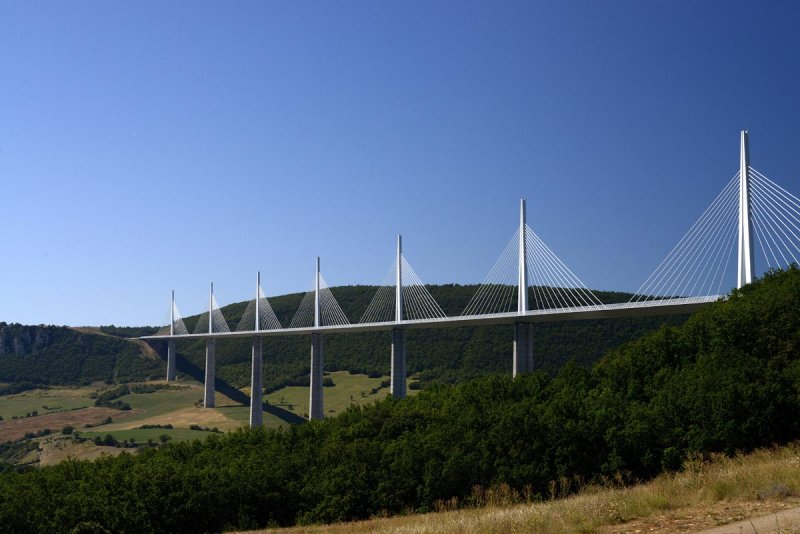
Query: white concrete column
<point>523,332</point>
<point>171,342</point>
<point>256,394</point>
<point>398,377</point>
<point>399,373</point>
<point>315,378</point>
<point>170,360</point>
<point>523,348</point>
<point>522,268</point>
<point>208,398</point>
<point>746,261</point>
<point>317,317</point>
<point>315,393</point>
<point>398,284</point>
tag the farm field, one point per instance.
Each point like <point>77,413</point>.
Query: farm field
<point>53,422</point>
<point>180,406</point>
<point>347,389</point>
<point>57,408</point>
<point>45,401</point>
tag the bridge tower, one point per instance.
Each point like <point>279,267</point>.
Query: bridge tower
<point>256,394</point>
<point>171,342</point>
<point>398,378</point>
<point>746,265</point>
<point>523,332</point>
<point>315,394</point>
<point>208,397</point>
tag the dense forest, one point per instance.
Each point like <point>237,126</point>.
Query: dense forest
<point>726,380</point>
<point>441,355</point>
<point>60,355</point>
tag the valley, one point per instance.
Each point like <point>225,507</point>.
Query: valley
<point>41,415</point>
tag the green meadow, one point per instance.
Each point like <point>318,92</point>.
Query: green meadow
<point>45,401</point>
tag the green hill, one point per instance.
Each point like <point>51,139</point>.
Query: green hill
<point>727,380</point>
<point>62,355</point>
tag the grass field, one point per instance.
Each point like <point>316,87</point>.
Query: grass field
<point>348,389</point>
<point>45,401</point>
<point>183,407</point>
<point>703,495</point>
<point>180,407</point>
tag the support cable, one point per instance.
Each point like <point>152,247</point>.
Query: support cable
<point>660,280</point>
<point>644,289</point>
<point>680,261</point>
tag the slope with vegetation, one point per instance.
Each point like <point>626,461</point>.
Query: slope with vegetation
<point>62,355</point>
<point>726,380</point>
<point>705,494</point>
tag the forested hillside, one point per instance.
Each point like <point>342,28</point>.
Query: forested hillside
<point>62,355</point>
<point>726,380</point>
<point>441,355</point>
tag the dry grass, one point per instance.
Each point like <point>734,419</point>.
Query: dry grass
<point>16,429</point>
<point>55,449</point>
<point>705,494</point>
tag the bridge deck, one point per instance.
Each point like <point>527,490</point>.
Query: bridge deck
<point>675,306</point>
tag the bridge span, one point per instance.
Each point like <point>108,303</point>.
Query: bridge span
<point>528,284</point>
<point>674,306</point>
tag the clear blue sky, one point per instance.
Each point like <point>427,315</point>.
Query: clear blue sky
<point>150,146</point>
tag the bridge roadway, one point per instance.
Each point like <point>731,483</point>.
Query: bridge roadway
<point>675,306</point>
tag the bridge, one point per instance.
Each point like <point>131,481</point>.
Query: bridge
<point>527,284</point>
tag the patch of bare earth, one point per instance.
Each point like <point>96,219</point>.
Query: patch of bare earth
<point>16,429</point>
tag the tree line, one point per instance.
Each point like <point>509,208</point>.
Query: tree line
<point>58,355</point>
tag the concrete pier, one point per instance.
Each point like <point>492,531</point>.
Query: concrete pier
<point>208,397</point>
<point>523,348</point>
<point>315,394</point>
<point>171,342</point>
<point>256,393</point>
<point>170,360</point>
<point>523,332</point>
<point>399,363</point>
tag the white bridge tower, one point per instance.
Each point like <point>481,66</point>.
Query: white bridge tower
<point>746,265</point>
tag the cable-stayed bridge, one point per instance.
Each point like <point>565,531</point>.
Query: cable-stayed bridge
<point>752,217</point>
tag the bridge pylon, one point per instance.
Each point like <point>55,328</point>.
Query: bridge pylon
<point>746,264</point>
<point>256,393</point>
<point>315,409</point>
<point>523,332</point>
<point>208,396</point>
<point>171,342</point>
<point>398,378</point>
